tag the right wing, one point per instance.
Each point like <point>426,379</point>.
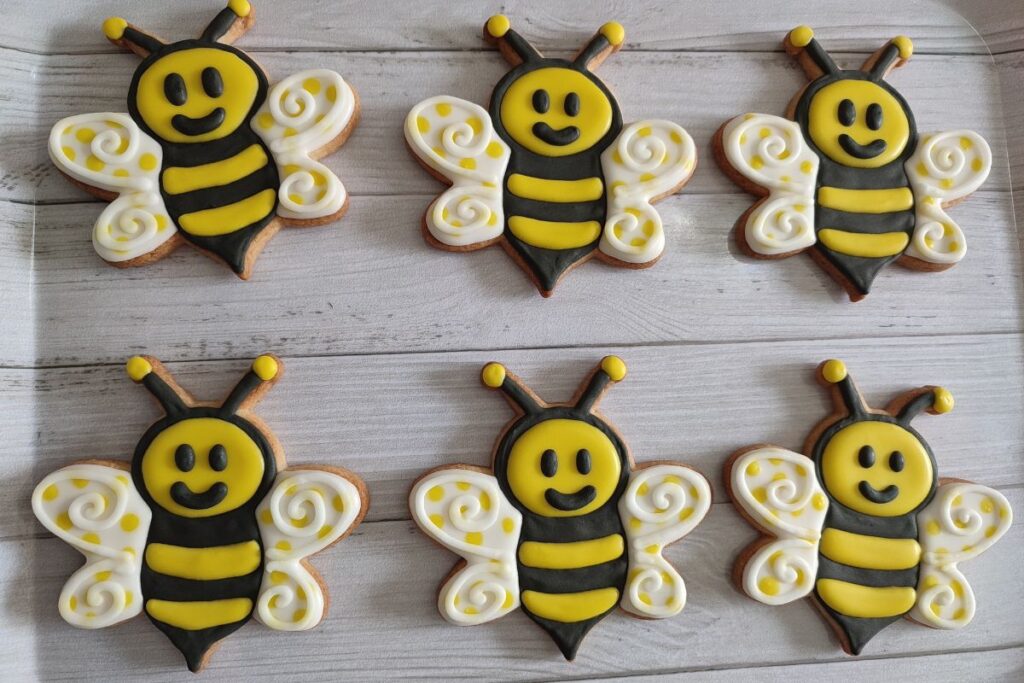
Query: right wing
<point>96,510</point>
<point>456,140</point>
<point>110,152</point>
<point>779,491</point>
<point>770,152</point>
<point>465,511</point>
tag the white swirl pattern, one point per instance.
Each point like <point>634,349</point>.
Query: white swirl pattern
<point>132,225</point>
<point>782,571</point>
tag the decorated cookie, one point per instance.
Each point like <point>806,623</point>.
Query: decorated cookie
<point>846,176</point>
<point>549,171</point>
<point>564,525</point>
<point>862,523</point>
<point>208,153</point>
<point>204,528</point>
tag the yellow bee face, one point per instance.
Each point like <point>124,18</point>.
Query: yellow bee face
<point>555,111</point>
<point>201,467</point>
<point>196,94</point>
<point>563,468</point>
<point>877,468</point>
<point>858,123</point>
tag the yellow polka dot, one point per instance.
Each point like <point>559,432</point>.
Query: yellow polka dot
<point>685,514</point>
<point>50,492</point>
<point>73,603</point>
<point>760,495</point>
<point>299,615</point>
<point>646,599</point>
<point>267,517</point>
<point>301,523</point>
<point>297,198</point>
<point>959,614</point>
<point>325,531</point>
<point>311,85</point>
<point>507,525</point>
<point>290,132</point>
<point>757,162</point>
<point>652,549</point>
<point>935,609</point>
<point>128,549</point>
<point>474,538</point>
<point>338,504</point>
<point>768,586</point>
<point>643,489</point>
<point>475,124</point>
<point>819,501</point>
<point>422,124</point>
<point>469,164</point>
<point>91,538</point>
<point>85,135</point>
<point>102,576</point>
<point>933,527</point>
<point>121,173</point>
<point>806,167</point>
<point>976,165</point>
<point>283,545</point>
<point>635,523</point>
<point>128,598</point>
<point>147,162</point>
<point>68,152</point>
<point>63,521</point>
<point>485,501</point>
<point>265,120</point>
<point>494,149</point>
<point>436,493</point>
<point>508,601</point>
<point>437,520</point>
<point>753,469</point>
<point>130,522</point>
<point>277,578</point>
<point>443,108</point>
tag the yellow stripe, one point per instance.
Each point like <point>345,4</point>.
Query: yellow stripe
<point>870,552</point>
<point>864,244</point>
<point>571,555</point>
<point>204,564</point>
<point>866,201</point>
<point>230,217</point>
<point>179,179</point>
<point>855,600</point>
<point>562,191</point>
<point>554,234</point>
<point>193,616</point>
<point>571,607</point>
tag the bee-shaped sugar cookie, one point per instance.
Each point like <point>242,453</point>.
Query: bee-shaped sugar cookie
<point>549,171</point>
<point>846,176</point>
<point>863,523</point>
<point>203,529</point>
<point>564,525</point>
<point>208,152</point>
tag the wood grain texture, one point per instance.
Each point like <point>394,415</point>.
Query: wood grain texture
<point>17,294</point>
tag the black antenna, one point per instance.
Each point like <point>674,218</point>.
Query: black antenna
<point>610,35</point>
<point>899,48</point>
<point>933,399</point>
<point>803,37</point>
<point>225,19</point>
<point>263,369</point>
<point>117,29</point>
<point>834,372</point>
<point>499,28</point>
<point>140,370</point>
<point>612,369</point>
<point>495,376</point>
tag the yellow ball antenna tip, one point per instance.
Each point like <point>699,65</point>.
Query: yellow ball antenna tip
<point>240,7</point>
<point>113,28</point>
<point>137,368</point>
<point>614,33</point>
<point>493,375</point>
<point>266,367</point>
<point>905,45</point>
<point>801,36</point>
<point>943,400</point>
<point>498,25</point>
<point>834,371</point>
<point>614,367</point>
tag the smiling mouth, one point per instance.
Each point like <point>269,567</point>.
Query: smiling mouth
<point>184,496</point>
<point>567,502</point>
<point>560,137</point>
<point>855,149</point>
<point>204,124</point>
<point>886,495</point>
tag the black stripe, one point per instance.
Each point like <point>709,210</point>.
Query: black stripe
<point>609,574</point>
<point>871,223</point>
<point>164,587</point>
<point>575,212</point>
<point>264,178</point>
<point>892,175</point>
<point>875,578</point>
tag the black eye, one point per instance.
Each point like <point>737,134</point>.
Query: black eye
<point>874,116</point>
<point>583,461</point>
<point>549,463</point>
<point>185,457</point>
<point>174,89</point>
<point>218,458</point>
<point>572,104</point>
<point>213,84</point>
<point>847,113</point>
<point>866,457</point>
<point>896,462</point>
<point>541,101</point>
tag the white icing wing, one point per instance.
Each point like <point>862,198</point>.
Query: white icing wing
<point>662,503</point>
<point>770,152</point>
<point>961,522</point>
<point>648,160</point>
<point>456,139</point>
<point>304,113</point>
<point>466,512</point>
<point>111,153</point>
<point>945,167</point>
<point>306,511</point>
<point>96,509</point>
<point>779,490</point>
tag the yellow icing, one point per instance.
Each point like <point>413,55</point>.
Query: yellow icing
<point>266,368</point>
<point>570,607</point>
<point>225,219</point>
<point>855,600</point>
<point>562,191</point>
<point>493,375</point>
<point>825,128</point>
<point>870,552</point>
<point>863,244</point>
<point>571,555</point>
<point>204,564</point>
<point>554,234</point>
<point>177,180</point>
<point>866,201</point>
<point>200,614</point>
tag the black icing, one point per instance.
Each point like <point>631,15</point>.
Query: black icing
<point>174,89</point>
<point>559,137</point>
<point>541,101</point>
<point>885,495</point>
<point>213,84</point>
<point>855,149</point>
<point>185,457</point>
<point>218,458</point>
<point>570,501</point>
<point>187,125</point>
<point>583,461</point>
<point>186,497</point>
<point>572,104</point>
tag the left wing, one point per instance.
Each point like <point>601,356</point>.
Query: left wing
<point>95,509</point>
<point>649,160</point>
<point>306,511</point>
<point>945,168</point>
<point>662,503</point>
<point>303,115</point>
<point>961,522</point>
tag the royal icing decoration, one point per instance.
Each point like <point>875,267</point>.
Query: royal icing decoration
<point>862,523</point>
<point>202,529</point>
<point>564,525</point>
<point>849,178</point>
<point>549,170</point>
<point>209,153</point>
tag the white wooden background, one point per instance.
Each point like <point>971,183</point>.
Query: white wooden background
<point>383,337</point>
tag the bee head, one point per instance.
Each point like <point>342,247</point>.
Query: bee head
<point>201,461</point>
<point>854,117</point>
<point>554,107</point>
<point>875,463</point>
<point>561,460</point>
<point>194,90</point>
